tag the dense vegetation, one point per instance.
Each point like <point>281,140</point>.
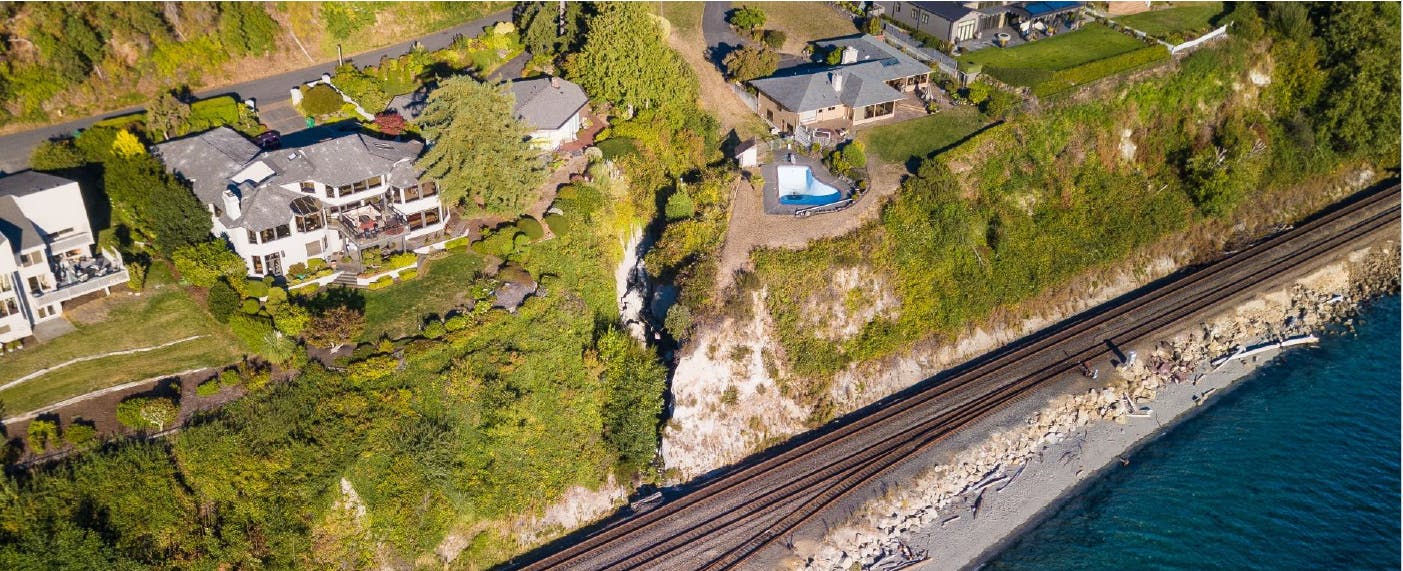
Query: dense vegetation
<point>71,58</point>
<point>481,153</point>
<point>482,416</point>
<point>1025,205</point>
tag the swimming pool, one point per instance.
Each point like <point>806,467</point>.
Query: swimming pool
<point>798,186</point>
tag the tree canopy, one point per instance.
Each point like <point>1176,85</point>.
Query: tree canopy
<point>154,203</point>
<point>480,152</point>
<point>626,61</point>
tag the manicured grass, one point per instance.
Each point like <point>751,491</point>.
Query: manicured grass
<point>442,285</point>
<point>1179,23</point>
<point>160,316</point>
<point>1090,43</point>
<point>803,22</point>
<point>685,17</point>
<point>918,138</point>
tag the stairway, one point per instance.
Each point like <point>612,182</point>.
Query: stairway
<point>345,279</point>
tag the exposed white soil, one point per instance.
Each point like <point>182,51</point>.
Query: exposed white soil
<point>1020,461</point>
<point>727,402</point>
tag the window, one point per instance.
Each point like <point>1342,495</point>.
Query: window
<point>38,283</point>
<point>47,311</point>
<point>5,284</point>
<point>8,307</point>
<point>925,18</point>
<point>344,190</point>
<point>358,186</point>
<point>331,192</point>
<point>373,181</point>
<point>897,9</point>
<point>428,188</point>
<point>32,258</point>
<point>266,236</point>
<point>257,264</point>
<point>283,231</point>
<point>416,221</point>
<point>431,217</point>
<point>4,329</point>
<point>309,187</point>
<point>252,237</point>
<point>310,222</point>
<point>274,263</point>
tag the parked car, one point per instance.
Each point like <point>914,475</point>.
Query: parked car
<point>269,140</point>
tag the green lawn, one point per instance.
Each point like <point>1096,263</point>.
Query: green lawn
<point>442,285</point>
<point>161,315</point>
<point>685,17</point>
<point>1090,43</point>
<point>1182,22</point>
<point>918,138</point>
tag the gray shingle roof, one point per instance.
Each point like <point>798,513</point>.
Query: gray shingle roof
<point>545,107</point>
<point>209,159</point>
<point>864,83</point>
<point>28,182</point>
<point>18,230</point>
<point>950,11</point>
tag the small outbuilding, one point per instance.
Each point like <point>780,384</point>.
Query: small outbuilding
<point>748,153</point>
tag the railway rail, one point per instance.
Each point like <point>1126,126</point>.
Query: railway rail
<point>727,520</point>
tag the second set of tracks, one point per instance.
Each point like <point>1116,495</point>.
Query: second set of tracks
<point>727,520</point>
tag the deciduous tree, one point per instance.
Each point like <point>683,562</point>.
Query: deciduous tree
<point>750,62</point>
<point>167,115</point>
<point>335,327</point>
<point>625,61</point>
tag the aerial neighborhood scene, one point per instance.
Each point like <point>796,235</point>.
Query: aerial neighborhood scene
<point>591,285</point>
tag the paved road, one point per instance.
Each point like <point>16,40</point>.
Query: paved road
<point>15,148</point>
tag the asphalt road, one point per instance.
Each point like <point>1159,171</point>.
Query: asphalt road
<point>269,91</point>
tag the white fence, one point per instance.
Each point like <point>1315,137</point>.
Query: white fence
<point>1191,44</point>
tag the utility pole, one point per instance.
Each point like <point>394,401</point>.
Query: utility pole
<point>560,29</point>
<point>339,60</point>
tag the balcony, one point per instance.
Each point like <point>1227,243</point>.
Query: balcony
<point>370,226</point>
<point>79,278</point>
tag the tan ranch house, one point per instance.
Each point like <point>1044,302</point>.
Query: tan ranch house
<point>870,78</point>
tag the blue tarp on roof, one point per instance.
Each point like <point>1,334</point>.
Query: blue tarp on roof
<point>1040,8</point>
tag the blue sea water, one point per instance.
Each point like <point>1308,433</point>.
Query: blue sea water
<point>1296,468</point>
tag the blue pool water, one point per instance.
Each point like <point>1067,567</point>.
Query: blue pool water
<point>798,186</point>
<point>1296,469</point>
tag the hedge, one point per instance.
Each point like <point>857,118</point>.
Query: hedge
<point>382,283</point>
<point>1065,79</point>
<point>408,275</point>
<point>530,227</point>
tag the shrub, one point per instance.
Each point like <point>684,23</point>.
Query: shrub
<point>251,306</point>
<point>372,368</point>
<point>230,378</point>
<point>214,112</point>
<point>371,258</point>
<point>142,413</point>
<point>259,379</point>
<point>258,335</point>
<point>457,244</point>
<point>730,396</point>
<point>872,26</point>
<point>434,329</point>
<point>42,434</point>
<point>208,388</point>
<point>315,264</point>
<point>321,100</point>
<point>746,18</point>
<point>56,155</point>
<point>400,260</point>
<point>774,38</point>
<point>203,264</point>
<point>456,323</point>
<point>531,228</point>
<point>222,301</point>
<point>568,192</point>
<point>381,283</point>
<point>679,206</point>
<point>407,275</point>
<point>751,62</point>
<point>136,276</point>
<point>678,321</point>
<point>81,435</point>
<point>557,223</point>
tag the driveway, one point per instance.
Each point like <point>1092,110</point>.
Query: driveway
<point>15,148</point>
<point>720,38</point>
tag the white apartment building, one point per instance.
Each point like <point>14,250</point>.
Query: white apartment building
<point>48,255</point>
<point>284,207</point>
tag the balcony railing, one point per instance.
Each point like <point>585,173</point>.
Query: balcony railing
<point>98,278</point>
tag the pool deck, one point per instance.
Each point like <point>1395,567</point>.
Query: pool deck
<point>771,190</point>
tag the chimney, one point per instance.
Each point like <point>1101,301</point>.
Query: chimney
<point>231,204</point>
<point>837,80</point>
<point>555,82</point>
<point>849,55</point>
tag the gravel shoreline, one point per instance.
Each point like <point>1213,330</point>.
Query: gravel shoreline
<point>1019,466</point>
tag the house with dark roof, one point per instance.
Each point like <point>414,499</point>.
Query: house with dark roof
<point>287,206</point>
<point>865,85</point>
<point>552,106</point>
<point>46,252</point>
<point>956,22</point>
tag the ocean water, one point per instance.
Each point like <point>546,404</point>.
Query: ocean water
<point>1296,468</point>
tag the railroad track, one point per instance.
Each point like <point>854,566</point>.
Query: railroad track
<point>735,515</point>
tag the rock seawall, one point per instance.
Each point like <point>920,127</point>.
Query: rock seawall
<point>1192,362</point>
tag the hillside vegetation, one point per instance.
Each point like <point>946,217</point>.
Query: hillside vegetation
<point>1025,205</point>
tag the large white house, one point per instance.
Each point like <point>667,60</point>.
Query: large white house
<point>284,207</point>
<point>552,106</point>
<point>47,254</point>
